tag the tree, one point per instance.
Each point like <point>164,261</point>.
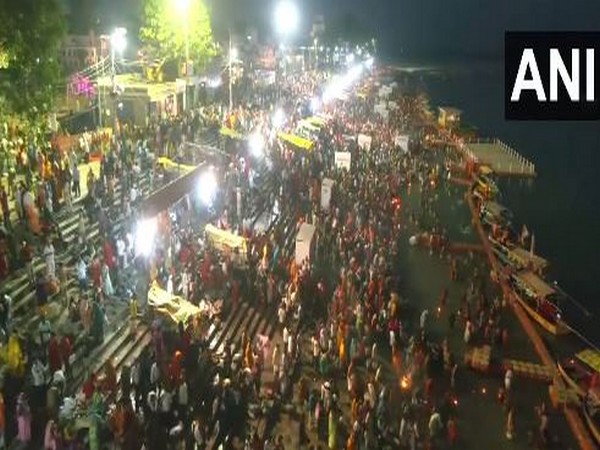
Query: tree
<point>165,30</point>
<point>30,37</point>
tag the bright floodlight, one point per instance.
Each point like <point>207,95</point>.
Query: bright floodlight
<point>234,54</point>
<point>144,236</point>
<point>257,144</point>
<point>118,39</point>
<point>286,17</point>
<point>369,62</point>
<point>278,118</point>
<point>214,82</point>
<point>207,187</point>
<point>182,6</point>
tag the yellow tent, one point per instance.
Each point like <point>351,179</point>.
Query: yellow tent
<point>224,239</point>
<point>303,143</point>
<point>311,127</point>
<point>317,121</point>
<point>228,132</point>
<point>169,164</point>
<point>177,308</point>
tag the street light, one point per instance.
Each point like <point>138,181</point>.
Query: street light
<point>183,8</point>
<point>286,17</point>
<point>118,42</point>
<point>233,54</point>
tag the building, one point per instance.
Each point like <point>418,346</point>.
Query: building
<point>139,100</point>
<point>449,117</point>
<point>81,51</point>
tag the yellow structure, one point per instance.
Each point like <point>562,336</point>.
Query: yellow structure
<point>169,164</point>
<point>224,240</point>
<point>228,132</point>
<point>449,117</point>
<point>298,141</point>
<point>173,306</point>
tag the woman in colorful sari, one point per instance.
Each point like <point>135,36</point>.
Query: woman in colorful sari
<point>51,436</point>
<point>23,419</point>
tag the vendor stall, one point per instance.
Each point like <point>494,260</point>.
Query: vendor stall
<point>227,242</point>
<point>298,141</point>
<point>230,133</point>
<point>169,164</point>
<point>178,309</point>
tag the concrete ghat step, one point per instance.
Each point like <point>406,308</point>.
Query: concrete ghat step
<point>20,286</point>
<point>68,224</point>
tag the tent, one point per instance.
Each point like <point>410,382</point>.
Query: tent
<point>309,126</point>
<point>228,132</point>
<point>225,240</point>
<point>300,142</point>
<point>317,121</point>
<point>173,306</point>
<point>172,165</point>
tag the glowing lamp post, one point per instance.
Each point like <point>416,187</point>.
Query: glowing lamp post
<point>233,55</point>
<point>286,18</point>
<point>183,8</point>
<point>118,43</point>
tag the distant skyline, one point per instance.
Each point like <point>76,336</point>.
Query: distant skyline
<point>409,28</point>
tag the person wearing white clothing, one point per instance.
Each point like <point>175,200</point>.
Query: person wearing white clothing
<point>165,400</point>
<point>154,374</point>
<point>49,259</point>
<point>182,398</point>
<point>508,379</point>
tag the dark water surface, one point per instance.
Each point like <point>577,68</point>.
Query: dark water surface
<point>562,206</point>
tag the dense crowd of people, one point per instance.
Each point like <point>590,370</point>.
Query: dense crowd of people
<point>352,357</point>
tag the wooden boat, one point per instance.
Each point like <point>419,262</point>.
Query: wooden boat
<point>540,300</point>
<point>493,213</point>
<point>517,257</point>
<point>591,412</point>
<point>581,371</point>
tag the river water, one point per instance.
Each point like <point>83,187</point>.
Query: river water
<point>561,206</point>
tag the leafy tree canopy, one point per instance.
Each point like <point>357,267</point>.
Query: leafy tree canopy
<point>166,27</point>
<point>30,37</point>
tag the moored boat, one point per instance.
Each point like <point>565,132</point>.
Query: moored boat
<point>591,412</point>
<point>581,371</point>
<point>540,300</point>
<point>517,258</point>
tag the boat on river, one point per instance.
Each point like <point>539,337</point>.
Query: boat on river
<point>540,300</point>
<point>494,214</point>
<point>581,372</point>
<point>517,258</point>
<point>591,412</point>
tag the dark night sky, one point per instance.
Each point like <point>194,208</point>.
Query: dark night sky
<point>413,28</point>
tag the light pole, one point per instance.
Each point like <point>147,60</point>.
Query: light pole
<point>183,8</point>
<point>232,56</point>
<point>286,20</point>
<point>118,42</point>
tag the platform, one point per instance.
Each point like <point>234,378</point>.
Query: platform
<point>501,158</point>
